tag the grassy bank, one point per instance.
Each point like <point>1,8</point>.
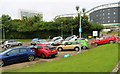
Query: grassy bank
<point>100,59</point>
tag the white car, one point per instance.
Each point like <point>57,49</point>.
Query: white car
<point>56,40</point>
<point>71,38</point>
<point>40,41</point>
<point>10,43</point>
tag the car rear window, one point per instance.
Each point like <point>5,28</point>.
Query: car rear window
<point>50,47</point>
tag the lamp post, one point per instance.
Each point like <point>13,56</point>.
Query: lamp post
<point>80,29</point>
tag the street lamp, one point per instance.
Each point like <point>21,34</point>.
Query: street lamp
<point>80,29</point>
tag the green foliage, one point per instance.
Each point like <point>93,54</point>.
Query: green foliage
<point>35,25</point>
<point>95,26</point>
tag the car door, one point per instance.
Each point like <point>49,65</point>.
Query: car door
<point>23,55</point>
<point>68,45</point>
<point>14,43</point>
<point>12,56</point>
<point>101,41</point>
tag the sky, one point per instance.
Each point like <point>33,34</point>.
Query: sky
<point>49,8</point>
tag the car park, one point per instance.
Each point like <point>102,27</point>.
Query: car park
<point>104,40</point>
<point>69,45</point>
<point>56,40</point>
<point>45,51</point>
<point>10,43</point>
<point>84,44</point>
<point>17,54</point>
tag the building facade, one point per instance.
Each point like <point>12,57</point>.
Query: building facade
<point>107,14</point>
<point>29,13</point>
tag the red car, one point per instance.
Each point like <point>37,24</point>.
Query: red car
<point>45,51</point>
<point>104,40</point>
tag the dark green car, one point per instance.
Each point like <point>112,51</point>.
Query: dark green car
<point>84,43</point>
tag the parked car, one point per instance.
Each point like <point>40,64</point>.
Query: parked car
<point>10,43</point>
<point>72,45</point>
<point>17,54</point>
<point>84,44</point>
<point>39,41</point>
<point>34,40</point>
<point>104,40</point>
<point>45,51</point>
<point>56,40</point>
<point>71,38</point>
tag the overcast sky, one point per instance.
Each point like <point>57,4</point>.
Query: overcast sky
<point>49,8</point>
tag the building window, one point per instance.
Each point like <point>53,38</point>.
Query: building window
<point>108,9</point>
<point>103,22</point>
<point>114,21</point>
<point>103,14</point>
<point>108,21</point>
<point>114,13</point>
<point>96,15</point>
<point>103,18</point>
<point>108,17</point>
<point>108,13</point>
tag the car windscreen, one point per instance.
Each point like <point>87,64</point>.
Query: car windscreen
<point>5,51</point>
<point>42,41</point>
<point>74,43</point>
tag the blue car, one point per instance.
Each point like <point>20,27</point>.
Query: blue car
<point>17,54</point>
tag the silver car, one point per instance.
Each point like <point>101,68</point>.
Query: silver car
<point>10,43</point>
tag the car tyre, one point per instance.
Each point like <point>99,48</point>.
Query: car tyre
<point>76,48</point>
<point>19,44</point>
<point>43,56</point>
<point>96,44</point>
<point>111,42</point>
<point>8,45</point>
<point>84,47</point>
<point>60,49</point>
<point>1,63</point>
<point>31,58</point>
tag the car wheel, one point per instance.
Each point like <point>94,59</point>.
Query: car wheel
<point>76,48</point>
<point>31,58</point>
<point>111,42</point>
<point>8,45</point>
<point>96,44</point>
<point>19,44</point>
<point>84,47</point>
<point>43,56</point>
<point>1,63</point>
<point>60,49</point>
<point>53,56</point>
